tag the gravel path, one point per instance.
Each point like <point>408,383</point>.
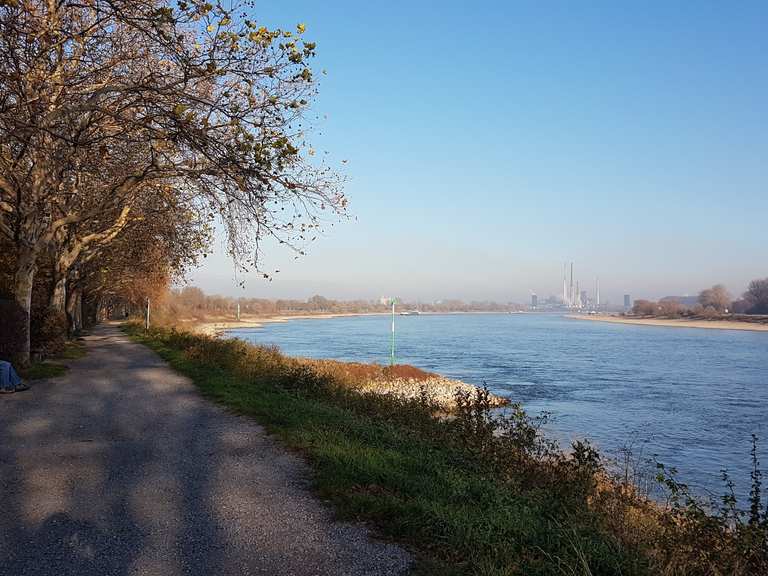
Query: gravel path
<point>120,467</point>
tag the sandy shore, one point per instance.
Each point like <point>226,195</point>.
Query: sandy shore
<point>677,323</point>
<point>215,327</point>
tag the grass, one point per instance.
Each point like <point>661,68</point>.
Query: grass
<point>469,495</point>
<point>73,350</point>
<point>43,370</point>
<point>51,368</point>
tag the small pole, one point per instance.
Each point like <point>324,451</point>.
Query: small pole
<point>392,351</point>
<point>238,311</point>
<point>147,322</point>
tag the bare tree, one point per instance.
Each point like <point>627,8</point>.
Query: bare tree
<point>100,99</point>
<point>645,308</point>
<point>757,296</point>
<point>716,297</point>
<point>670,307</point>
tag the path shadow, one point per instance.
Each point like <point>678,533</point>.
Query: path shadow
<point>121,468</point>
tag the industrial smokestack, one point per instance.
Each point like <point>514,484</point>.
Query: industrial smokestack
<point>597,292</point>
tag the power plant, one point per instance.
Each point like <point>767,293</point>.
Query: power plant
<point>573,296</point>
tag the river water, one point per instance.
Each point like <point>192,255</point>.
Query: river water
<point>691,397</point>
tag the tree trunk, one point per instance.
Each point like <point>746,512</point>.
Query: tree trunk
<point>58,299</point>
<point>22,292</point>
<point>63,262</point>
<point>79,310</point>
<point>74,310</point>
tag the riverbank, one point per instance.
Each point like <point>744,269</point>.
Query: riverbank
<point>676,322</point>
<point>401,380</point>
<point>479,493</point>
<point>215,327</point>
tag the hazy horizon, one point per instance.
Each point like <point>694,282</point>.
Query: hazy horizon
<point>487,148</point>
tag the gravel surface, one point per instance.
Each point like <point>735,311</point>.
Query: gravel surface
<point>120,467</point>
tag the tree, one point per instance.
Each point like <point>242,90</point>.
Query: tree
<point>101,101</point>
<point>645,308</point>
<point>319,303</point>
<point>150,252</point>
<point>716,297</point>
<point>757,296</point>
<point>670,307</point>
<point>740,306</point>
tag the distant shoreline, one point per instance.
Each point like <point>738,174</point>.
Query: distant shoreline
<point>216,327</point>
<point>676,322</point>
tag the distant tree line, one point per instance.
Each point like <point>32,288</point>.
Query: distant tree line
<point>712,302</point>
<point>126,129</point>
<point>191,303</point>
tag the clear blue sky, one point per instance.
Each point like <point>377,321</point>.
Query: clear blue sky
<point>490,141</point>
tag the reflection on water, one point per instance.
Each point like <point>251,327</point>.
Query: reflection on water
<point>692,396</point>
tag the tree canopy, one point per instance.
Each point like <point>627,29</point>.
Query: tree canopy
<point>757,296</point>
<point>716,297</point>
<point>117,112</point>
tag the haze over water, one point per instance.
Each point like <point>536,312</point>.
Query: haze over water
<point>691,396</point>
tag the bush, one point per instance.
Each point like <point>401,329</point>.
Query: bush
<point>48,331</point>
<point>645,308</point>
<point>710,313</point>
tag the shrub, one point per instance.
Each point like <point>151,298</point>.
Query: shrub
<point>645,308</point>
<point>48,331</point>
<point>710,313</point>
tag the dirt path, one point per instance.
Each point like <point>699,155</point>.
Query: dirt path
<point>120,467</point>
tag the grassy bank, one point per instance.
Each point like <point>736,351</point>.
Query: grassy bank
<point>55,366</point>
<point>472,494</point>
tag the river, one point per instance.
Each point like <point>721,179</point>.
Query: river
<point>691,397</point>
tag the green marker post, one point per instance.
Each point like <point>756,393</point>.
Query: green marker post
<point>392,348</point>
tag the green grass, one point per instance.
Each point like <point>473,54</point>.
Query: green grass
<point>73,350</point>
<point>51,368</point>
<point>373,464</point>
<point>43,370</point>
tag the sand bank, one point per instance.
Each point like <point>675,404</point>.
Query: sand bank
<point>216,327</point>
<point>677,322</point>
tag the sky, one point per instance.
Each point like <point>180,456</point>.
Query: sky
<point>489,142</point>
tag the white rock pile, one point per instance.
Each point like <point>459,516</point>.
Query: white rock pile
<point>441,391</point>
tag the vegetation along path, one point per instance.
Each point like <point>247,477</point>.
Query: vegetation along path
<point>120,467</point>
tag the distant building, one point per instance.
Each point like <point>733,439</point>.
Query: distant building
<point>627,301</point>
<point>534,301</point>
